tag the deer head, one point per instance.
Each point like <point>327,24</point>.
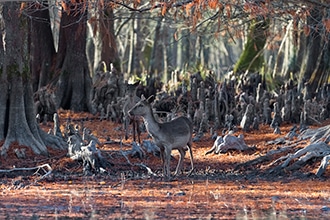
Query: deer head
<point>141,108</point>
<point>131,89</point>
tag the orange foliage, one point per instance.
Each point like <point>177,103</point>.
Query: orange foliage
<point>213,4</point>
<point>326,23</point>
<point>23,6</point>
<point>136,3</point>
<point>188,8</point>
<point>247,6</point>
<point>307,30</point>
<point>228,10</point>
<point>65,7</point>
<point>164,9</point>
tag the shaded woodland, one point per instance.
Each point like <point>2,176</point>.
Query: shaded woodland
<point>223,64</point>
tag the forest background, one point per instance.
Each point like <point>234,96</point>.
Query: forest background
<point>57,48</point>
<point>59,44</point>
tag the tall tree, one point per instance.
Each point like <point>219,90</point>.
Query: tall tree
<point>157,50</point>
<point>101,23</point>
<point>251,58</point>
<point>18,122</point>
<point>42,48</point>
<point>73,86</point>
<point>316,55</point>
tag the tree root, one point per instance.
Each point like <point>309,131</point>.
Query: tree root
<point>319,149</point>
<point>264,158</point>
<point>323,166</point>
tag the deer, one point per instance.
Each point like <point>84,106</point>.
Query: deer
<point>130,100</point>
<point>168,136</point>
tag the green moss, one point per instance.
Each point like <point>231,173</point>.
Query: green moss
<point>14,70</point>
<point>251,58</point>
<point>147,53</point>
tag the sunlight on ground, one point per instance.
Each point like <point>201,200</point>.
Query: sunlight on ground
<point>214,191</point>
<point>187,199</point>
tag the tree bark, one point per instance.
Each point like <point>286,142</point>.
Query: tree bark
<point>74,84</point>
<point>315,66</point>
<point>109,48</point>
<point>136,46</point>
<point>3,83</point>
<point>157,52</point>
<point>251,58</point>
<point>102,43</point>
<point>42,48</point>
<point>18,122</point>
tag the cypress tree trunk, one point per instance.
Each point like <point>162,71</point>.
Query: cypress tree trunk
<point>42,48</point>
<point>315,66</point>
<point>157,50</point>
<point>18,122</point>
<point>74,83</point>
<point>251,58</point>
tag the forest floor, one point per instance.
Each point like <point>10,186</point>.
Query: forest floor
<point>215,190</point>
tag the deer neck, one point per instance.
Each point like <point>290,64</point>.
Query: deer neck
<point>131,100</point>
<point>151,124</point>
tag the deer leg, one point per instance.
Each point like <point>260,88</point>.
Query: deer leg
<point>167,160</point>
<point>191,158</point>
<point>162,158</point>
<point>138,130</point>
<point>134,125</point>
<point>180,163</point>
<point>126,123</point>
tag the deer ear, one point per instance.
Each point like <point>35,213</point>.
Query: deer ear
<point>150,99</point>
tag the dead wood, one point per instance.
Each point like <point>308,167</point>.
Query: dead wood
<point>150,172</point>
<point>264,158</point>
<point>151,147</point>
<point>322,133</point>
<point>92,159</point>
<point>323,166</point>
<point>310,151</point>
<point>45,168</point>
<point>136,151</point>
<point>228,142</point>
<point>313,150</point>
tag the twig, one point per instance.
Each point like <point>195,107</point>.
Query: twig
<point>26,168</point>
<point>149,8</point>
<point>47,171</point>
